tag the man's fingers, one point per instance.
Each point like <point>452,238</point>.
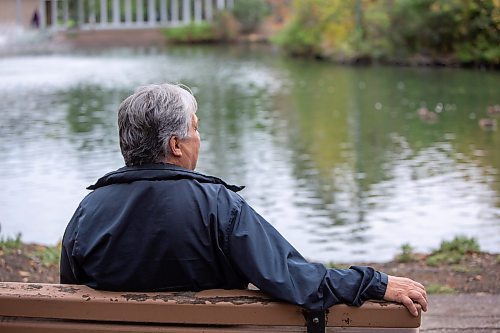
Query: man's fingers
<point>410,305</point>
<point>421,292</point>
<point>423,299</point>
<point>406,291</point>
<point>420,298</point>
<point>421,286</point>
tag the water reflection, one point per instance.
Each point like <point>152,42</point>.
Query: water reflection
<point>338,159</point>
<point>363,151</point>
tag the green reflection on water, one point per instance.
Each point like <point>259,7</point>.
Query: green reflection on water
<point>366,118</point>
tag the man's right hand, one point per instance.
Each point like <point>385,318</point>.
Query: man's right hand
<point>406,291</point>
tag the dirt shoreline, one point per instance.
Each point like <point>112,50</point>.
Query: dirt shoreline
<point>476,272</point>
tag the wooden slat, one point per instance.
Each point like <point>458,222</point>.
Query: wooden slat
<point>223,307</point>
<point>33,325</point>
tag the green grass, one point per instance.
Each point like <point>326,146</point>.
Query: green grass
<point>452,252</point>
<point>9,244</point>
<point>464,269</point>
<point>337,266</point>
<point>192,33</point>
<point>436,288</point>
<point>407,254</point>
<point>48,255</point>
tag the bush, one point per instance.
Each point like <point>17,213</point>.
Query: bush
<point>192,33</point>
<point>48,255</point>
<point>436,288</point>
<point>452,252</point>
<point>318,28</point>
<point>407,254</point>
<point>226,27</point>
<point>466,29</point>
<point>463,30</point>
<point>460,244</point>
<point>250,13</point>
<point>300,40</point>
<point>9,244</point>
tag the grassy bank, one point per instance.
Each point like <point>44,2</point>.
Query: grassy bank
<point>457,266</point>
<point>23,262</point>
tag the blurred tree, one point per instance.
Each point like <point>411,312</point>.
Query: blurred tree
<point>318,28</point>
<point>468,29</point>
<point>250,13</point>
<point>457,30</point>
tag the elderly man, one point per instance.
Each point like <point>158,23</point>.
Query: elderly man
<point>156,225</point>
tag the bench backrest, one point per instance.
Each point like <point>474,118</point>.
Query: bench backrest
<point>35,307</point>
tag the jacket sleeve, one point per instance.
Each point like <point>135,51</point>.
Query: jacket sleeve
<point>266,259</point>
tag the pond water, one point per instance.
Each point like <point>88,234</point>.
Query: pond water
<point>336,158</point>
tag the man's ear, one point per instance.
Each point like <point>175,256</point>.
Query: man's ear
<point>174,146</point>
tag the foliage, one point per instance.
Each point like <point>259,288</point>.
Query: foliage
<point>250,13</point>
<point>468,29</point>
<point>48,255</point>
<point>192,33</point>
<point>319,27</point>
<point>9,244</point>
<point>452,252</point>
<point>407,254</point>
<point>460,244</point>
<point>372,40</point>
<point>226,26</point>
<point>463,268</point>
<point>333,265</point>
<point>436,288</point>
<point>437,259</point>
<point>461,30</point>
<point>302,37</point>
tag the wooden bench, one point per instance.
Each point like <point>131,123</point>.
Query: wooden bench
<point>36,307</point>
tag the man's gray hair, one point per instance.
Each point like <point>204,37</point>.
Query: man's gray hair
<point>150,117</point>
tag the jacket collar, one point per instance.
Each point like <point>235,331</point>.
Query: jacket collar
<point>157,172</point>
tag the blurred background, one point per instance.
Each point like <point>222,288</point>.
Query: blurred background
<point>357,126</point>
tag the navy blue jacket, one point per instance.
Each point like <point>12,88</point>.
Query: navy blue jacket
<point>161,227</point>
